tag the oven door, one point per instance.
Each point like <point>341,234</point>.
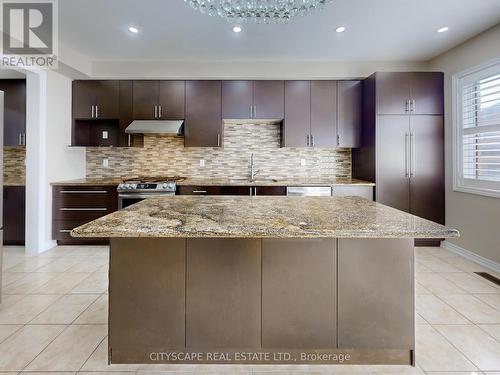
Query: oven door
<point>127,199</point>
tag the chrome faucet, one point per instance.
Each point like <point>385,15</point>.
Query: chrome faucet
<point>253,172</point>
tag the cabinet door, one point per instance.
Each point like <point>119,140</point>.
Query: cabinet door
<point>427,169</point>
<point>392,181</point>
<point>349,99</point>
<point>14,207</point>
<point>269,99</point>
<point>84,97</point>
<point>324,113</point>
<point>235,190</point>
<point>107,99</point>
<point>297,113</point>
<point>203,125</point>
<point>146,94</point>
<point>14,111</point>
<point>172,100</point>
<point>427,92</point>
<point>270,190</point>
<point>393,93</point>
<point>237,99</point>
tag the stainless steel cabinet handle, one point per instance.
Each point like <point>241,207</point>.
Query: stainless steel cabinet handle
<point>96,111</point>
<point>199,191</point>
<point>92,109</point>
<point>250,109</point>
<point>407,106</point>
<point>159,111</point>
<point>83,209</point>
<point>338,140</point>
<point>255,191</point>
<point>218,140</point>
<point>84,192</point>
<point>129,141</point>
<point>307,140</point>
<point>24,139</point>
<point>412,105</point>
<point>64,230</point>
<point>312,140</point>
<point>254,111</point>
<point>407,167</point>
<point>156,111</point>
<point>20,139</point>
<point>412,147</point>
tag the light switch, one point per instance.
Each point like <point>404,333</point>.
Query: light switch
<point>105,134</point>
<point>202,162</point>
<point>303,162</point>
<point>105,162</point>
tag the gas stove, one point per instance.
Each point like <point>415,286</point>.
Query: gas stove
<point>133,190</point>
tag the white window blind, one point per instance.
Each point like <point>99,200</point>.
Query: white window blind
<point>477,131</point>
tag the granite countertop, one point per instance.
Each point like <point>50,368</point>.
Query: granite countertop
<point>262,217</point>
<point>227,182</point>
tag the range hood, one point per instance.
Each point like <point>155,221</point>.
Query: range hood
<point>163,127</point>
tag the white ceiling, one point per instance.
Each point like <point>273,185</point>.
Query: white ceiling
<point>383,30</point>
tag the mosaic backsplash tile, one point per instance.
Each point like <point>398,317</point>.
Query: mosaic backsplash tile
<point>167,156</point>
<point>14,165</point>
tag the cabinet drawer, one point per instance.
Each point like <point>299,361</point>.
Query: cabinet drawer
<point>270,190</point>
<point>198,190</point>
<point>85,197</point>
<point>235,190</point>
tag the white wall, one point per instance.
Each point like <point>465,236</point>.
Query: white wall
<point>48,157</point>
<point>476,217</point>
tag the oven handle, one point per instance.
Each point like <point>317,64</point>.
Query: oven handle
<point>144,196</point>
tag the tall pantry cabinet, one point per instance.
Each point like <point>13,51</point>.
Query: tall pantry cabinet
<point>403,141</point>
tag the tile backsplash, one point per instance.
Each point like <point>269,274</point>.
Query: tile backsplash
<point>14,164</point>
<point>164,155</point>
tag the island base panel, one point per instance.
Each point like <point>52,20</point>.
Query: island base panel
<point>258,301</point>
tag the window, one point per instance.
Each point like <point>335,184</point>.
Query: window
<point>477,130</point>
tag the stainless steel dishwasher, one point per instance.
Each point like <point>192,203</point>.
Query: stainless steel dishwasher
<point>309,191</point>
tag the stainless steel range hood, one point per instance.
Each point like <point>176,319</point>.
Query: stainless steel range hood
<point>163,127</point>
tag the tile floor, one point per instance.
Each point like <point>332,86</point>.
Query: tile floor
<point>54,314</point>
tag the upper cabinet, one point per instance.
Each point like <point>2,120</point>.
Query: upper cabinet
<point>96,100</point>
<point>253,99</point>
<point>155,100</point>
<point>322,114</point>
<point>14,111</point>
<point>203,122</point>
<point>409,93</point>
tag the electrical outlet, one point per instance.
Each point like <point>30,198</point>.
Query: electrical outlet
<point>105,134</point>
<point>202,162</point>
<point>303,162</point>
<point>105,162</point>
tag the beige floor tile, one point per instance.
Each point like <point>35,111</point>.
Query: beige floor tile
<point>65,310</point>
<point>10,277</point>
<point>96,282</point>
<point>8,330</point>
<point>465,265</point>
<point>492,329</point>
<point>491,299</point>
<point>62,284</point>
<point>109,373</point>
<point>98,361</point>
<point>19,349</point>
<point>482,349</point>
<point>435,311</point>
<point>473,309</point>
<point>29,283</point>
<point>58,265</point>
<point>437,265</point>
<point>10,299</point>
<point>47,373</point>
<point>455,373</point>
<point>439,252</point>
<point>29,265</point>
<point>435,353</point>
<point>88,265</point>
<point>425,252</point>
<point>70,350</point>
<point>420,289</point>
<point>158,369</point>
<point>437,284</point>
<point>97,313</point>
<point>26,309</point>
<point>470,283</point>
<point>420,320</point>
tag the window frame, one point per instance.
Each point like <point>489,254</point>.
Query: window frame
<point>460,184</point>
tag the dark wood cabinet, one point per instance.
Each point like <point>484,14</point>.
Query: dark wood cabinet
<point>198,190</point>
<point>96,100</point>
<point>349,118</point>
<point>14,111</point>
<point>73,206</point>
<point>253,99</point>
<point>236,190</point>
<point>231,190</point>
<point>269,99</point>
<point>418,93</point>
<point>270,190</point>
<point>155,100</point>
<point>297,124</point>
<point>323,114</point>
<point>203,123</point>
<point>14,215</point>
<point>127,116</point>
<point>404,153</point>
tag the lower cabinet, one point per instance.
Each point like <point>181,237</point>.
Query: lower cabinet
<point>198,190</point>
<point>14,215</point>
<point>73,206</point>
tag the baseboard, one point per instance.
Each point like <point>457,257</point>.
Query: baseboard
<point>487,263</point>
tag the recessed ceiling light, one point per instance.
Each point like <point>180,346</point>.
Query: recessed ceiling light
<point>443,29</point>
<point>133,29</point>
<point>340,29</point>
<point>237,29</point>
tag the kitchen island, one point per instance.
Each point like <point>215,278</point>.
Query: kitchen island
<point>277,280</point>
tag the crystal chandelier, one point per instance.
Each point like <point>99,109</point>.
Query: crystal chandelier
<point>257,11</point>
